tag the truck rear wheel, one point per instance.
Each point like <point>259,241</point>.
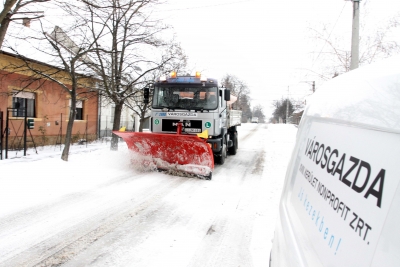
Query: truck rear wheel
<point>232,150</point>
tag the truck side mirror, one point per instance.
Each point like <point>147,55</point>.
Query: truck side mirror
<point>146,94</point>
<point>227,94</point>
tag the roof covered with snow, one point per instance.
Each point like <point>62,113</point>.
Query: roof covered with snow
<point>31,43</point>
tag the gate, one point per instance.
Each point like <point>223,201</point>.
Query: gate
<point>15,132</point>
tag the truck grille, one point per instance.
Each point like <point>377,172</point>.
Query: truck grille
<point>189,126</point>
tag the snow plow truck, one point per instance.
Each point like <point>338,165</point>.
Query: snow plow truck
<point>192,126</point>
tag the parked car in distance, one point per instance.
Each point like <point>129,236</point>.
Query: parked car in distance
<point>254,120</point>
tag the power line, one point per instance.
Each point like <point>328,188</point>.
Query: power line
<point>207,6</point>
<point>329,34</point>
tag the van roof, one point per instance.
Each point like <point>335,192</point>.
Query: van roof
<point>369,95</point>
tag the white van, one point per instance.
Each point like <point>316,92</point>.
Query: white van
<point>340,204</point>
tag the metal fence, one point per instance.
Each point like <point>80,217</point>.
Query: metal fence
<point>51,130</point>
<point>46,130</point>
<point>105,125</point>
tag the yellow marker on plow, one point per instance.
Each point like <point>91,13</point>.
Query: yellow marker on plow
<point>204,134</point>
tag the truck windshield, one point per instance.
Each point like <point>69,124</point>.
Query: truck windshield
<point>184,97</point>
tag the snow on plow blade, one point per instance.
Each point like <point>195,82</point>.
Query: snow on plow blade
<point>172,152</point>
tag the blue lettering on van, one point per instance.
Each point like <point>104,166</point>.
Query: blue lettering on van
<point>359,225</point>
<point>319,222</point>
<point>351,171</point>
<point>326,194</point>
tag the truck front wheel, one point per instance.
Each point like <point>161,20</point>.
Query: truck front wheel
<point>220,159</point>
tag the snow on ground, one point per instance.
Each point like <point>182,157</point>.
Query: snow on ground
<point>39,178</point>
<point>279,144</point>
<point>98,210</point>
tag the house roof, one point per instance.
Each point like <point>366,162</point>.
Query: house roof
<point>29,43</point>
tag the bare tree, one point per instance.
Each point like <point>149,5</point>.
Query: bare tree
<point>65,66</point>
<point>244,104</point>
<point>178,64</point>
<point>18,10</point>
<point>73,64</point>
<point>112,41</point>
<point>241,90</point>
<point>336,54</point>
<point>259,113</point>
<point>283,109</point>
<point>237,87</point>
<point>395,21</point>
<point>127,47</point>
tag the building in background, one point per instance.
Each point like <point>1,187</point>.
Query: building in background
<point>46,102</point>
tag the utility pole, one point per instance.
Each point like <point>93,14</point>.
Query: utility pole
<point>355,35</point>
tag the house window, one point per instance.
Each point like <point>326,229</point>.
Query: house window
<point>22,100</point>
<point>79,110</point>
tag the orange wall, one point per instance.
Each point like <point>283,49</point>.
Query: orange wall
<point>51,102</point>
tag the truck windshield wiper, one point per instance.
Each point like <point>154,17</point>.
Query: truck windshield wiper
<point>202,109</point>
<point>168,107</point>
<point>173,108</point>
<point>161,107</point>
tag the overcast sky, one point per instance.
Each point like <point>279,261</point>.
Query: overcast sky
<point>265,43</point>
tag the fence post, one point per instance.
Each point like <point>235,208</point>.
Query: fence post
<point>25,124</point>
<point>87,121</point>
<point>7,132</point>
<point>1,135</point>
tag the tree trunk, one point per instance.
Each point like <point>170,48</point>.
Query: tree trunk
<point>68,135</point>
<point>3,28</point>
<point>142,118</point>
<point>141,124</point>
<point>116,125</point>
<point>6,9</point>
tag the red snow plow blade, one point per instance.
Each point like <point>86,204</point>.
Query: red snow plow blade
<point>172,152</point>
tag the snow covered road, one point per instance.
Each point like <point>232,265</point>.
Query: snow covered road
<point>96,210</point>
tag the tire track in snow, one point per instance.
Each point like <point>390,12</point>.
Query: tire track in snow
<point>220,225</point>
<point>256,128</point>
<point>228,238</point>
<point>58,248</point>
<point>10,220</point>
<point>33,219</point>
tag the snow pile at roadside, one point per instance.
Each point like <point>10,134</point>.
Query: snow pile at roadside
<point>39,178</point>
